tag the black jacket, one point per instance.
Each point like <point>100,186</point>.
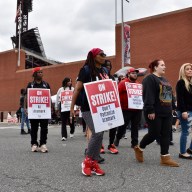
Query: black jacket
<point>184,97</point>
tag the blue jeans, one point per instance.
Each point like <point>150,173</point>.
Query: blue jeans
<point>24,119</point>
<point>185,126</point>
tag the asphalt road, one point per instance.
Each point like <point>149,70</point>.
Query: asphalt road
<point>60,169</point>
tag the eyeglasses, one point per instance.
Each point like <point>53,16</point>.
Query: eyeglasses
<point>102,54</point>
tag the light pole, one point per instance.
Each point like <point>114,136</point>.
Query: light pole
<point>122,33</point>
<point>19,45</point>
<point>115,12</point>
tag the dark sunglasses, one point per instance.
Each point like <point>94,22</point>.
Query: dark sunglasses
<point>102,54</point>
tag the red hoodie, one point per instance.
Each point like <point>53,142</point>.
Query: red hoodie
<point>123,94</point>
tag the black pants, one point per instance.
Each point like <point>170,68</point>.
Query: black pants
<point>170,136</point>
<point>112,133</point>
<point>65,119</point>
<point>158,128</point>
<point>134,117</point>
<point>84,125</point>
<point>34,131</point>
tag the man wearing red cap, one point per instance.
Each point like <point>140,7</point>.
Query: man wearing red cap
<point>35,146</point>
<point>130,115</point>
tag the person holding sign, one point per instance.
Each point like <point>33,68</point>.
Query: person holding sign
<point>39,109</point>
<point>91,71</point>
<point>157,98</point>
<point>130,93</point>
<point>24,117</point>
<point>112,132</point>
<point>63,101</point>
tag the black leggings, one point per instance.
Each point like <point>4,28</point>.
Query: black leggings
<point>160,127</point>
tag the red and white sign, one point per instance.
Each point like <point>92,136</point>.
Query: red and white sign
<point>134,95</point>
<point>116,87</point>
<point>39,103</point>
<point>66,99</point>
<point>127,44</point>
<point>104,104</point>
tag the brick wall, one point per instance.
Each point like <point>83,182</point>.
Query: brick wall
<point>167,36</point>
<point>13,78</point>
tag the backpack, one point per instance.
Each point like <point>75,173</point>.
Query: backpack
<point>82,95</point>
<point>45,84</point>
<point>18,112</point>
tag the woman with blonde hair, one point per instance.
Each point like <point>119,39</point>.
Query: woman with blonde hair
<point>184,108</point>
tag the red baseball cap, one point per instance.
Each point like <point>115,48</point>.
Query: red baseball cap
<point>95,51</point>
<point>131,70</point>
<point>36,69</point>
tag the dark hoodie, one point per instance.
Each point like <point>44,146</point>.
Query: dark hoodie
<point>157,96</point>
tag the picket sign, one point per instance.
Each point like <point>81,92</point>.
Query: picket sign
<point>39,103</point>
<point>11,119</point>
<point>15,119</point>
<point>134,95</point>
<point>104,104</point>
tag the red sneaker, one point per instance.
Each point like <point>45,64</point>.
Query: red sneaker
<point>96,169</point>
<point>112,149</point>
<point>86,166</point>
<point>102,150</point>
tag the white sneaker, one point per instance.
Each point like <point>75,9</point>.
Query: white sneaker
<point>34,148</point>
<point>43,149</point>
<point>63,139</point>
<point>71,135</point>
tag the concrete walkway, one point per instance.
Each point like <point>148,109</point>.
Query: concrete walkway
<point>60,169</point>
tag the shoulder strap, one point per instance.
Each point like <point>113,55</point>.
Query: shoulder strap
<point>32,84</point>
<point>45,84</point>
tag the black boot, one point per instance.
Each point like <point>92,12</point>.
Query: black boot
<point>23,132</point>
<point>29,131</point>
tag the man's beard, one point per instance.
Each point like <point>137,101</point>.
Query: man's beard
<point>132,79</point>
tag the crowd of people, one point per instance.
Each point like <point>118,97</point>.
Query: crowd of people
<point>158,108</point>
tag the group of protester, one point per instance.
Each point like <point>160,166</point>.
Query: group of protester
<point>158,108</point>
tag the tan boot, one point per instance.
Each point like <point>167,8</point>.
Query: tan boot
<point>167,161</point>
<point>138,154</point>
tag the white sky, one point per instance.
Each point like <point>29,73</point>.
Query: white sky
<point>70,28</point>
